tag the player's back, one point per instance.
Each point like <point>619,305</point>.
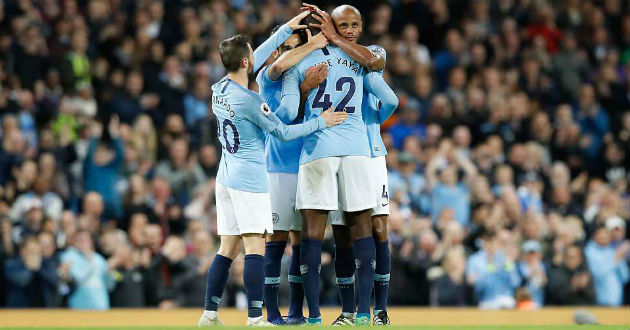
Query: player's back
<point>342,90</point>
<point>282,156</point>
<point>242,164</point>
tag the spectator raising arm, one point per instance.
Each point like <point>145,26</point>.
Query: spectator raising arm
<point>467,166</point>
<point>431,171</point>
<point>119,152</point>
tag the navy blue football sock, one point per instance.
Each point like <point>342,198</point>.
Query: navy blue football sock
<point>344,271</point>
<point>254,283</point>
<point>296,288</point>
<point>381,276</point>
<point>310,266</point>
<point>273,260</point>
<point>215,281</point>
<point>365,254</point>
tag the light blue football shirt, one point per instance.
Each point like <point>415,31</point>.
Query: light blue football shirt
<point>282,156</point>
<point>374,113</point>
<point>243,118</point>
<point>262,53</point>
<point>342,90</point>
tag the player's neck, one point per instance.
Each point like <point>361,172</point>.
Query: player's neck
<point>239,77</point>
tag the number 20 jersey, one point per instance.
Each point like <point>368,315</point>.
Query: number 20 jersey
<point>242,136</point>
<point>343,90</point>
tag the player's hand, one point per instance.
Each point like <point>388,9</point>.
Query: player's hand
<point>314,77</point>
<point>326,25</point>
<point>309,7</point>
<point>294,23</point>
<point>334,118</point>
<point>318,41</point>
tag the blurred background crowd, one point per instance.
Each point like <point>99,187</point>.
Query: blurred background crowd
<point>508,156</point>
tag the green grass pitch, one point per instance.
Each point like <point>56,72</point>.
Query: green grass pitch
<point>419,327</point>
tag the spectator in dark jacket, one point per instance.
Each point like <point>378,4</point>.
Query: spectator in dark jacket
<point>163,270</point>
<point>31,61</point>
<point>129,280</point>
<point>76,65</point>
<point>413,260</point>
<point>131,103</point>
<point>190,286</point>
<point>7,249</point>
<point>49,253</point>
<point>11,153</point>
<point>594,122</point>
<point>570,283</point>
<point>449,289</point>
<point>31,279</point>
<point>182,172</point>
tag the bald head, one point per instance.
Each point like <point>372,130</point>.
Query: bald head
<point>345,10</point>
<point>347,21</point>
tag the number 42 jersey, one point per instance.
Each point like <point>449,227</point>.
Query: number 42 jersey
<point>242,118</point>
<point>342,90</point>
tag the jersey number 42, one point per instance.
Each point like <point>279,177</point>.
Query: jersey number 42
<point>322,99</point>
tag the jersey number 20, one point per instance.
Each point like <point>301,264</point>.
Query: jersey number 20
<point>322,100</point>
<point>237,141</point>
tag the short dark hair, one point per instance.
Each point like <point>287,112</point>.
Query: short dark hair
<point>232,51</point>
<point>300,33</point>
<point>275,29</point>
<point>308,20</point>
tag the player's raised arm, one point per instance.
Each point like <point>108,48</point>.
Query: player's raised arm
<point>290,100</point>
<point>374,83</point>
<point>348,21</point>
<point>262,53</point>
<point>270,123</point>
<point>292,57</point>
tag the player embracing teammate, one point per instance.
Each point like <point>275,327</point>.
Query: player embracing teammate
<point>339,168</point>
<point>343,28</point>
<point>335,165</point>
<point>242,197</point>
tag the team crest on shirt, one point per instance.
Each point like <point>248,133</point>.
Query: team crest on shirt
<point>264,108</point>
<point>275,217</point>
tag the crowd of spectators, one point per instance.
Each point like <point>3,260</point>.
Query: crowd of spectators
<point>509,155</point>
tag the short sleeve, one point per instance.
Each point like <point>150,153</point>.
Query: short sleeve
<point>376,49</point>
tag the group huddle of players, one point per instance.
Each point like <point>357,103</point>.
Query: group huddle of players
<point>302,153</point>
